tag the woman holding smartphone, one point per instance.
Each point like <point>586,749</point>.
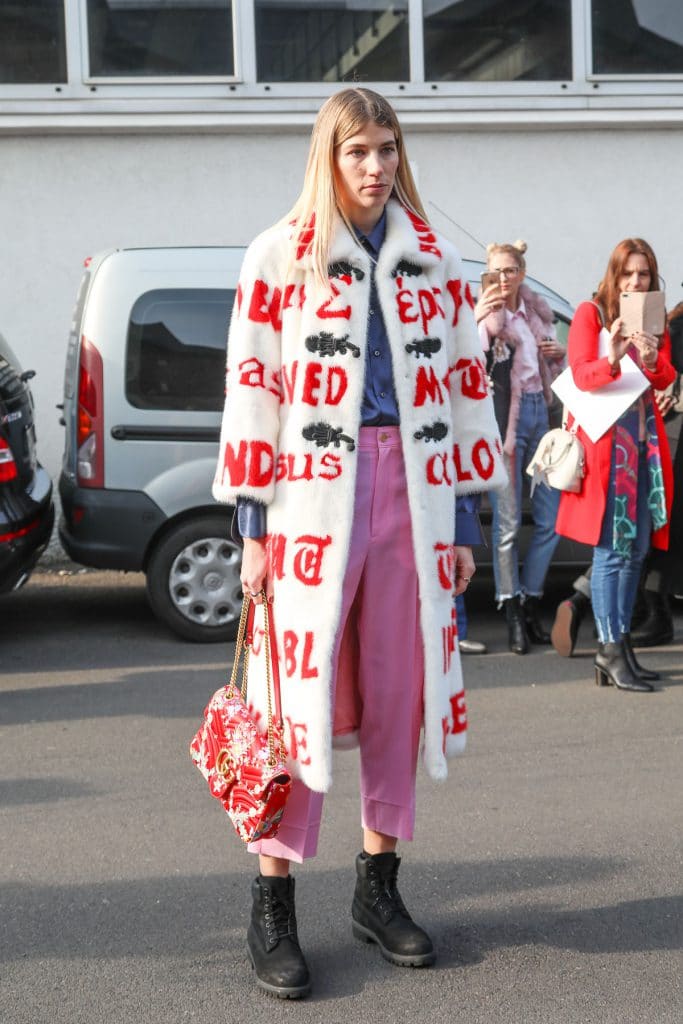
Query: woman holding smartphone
<point>625,501</point>
<point>523,358</point>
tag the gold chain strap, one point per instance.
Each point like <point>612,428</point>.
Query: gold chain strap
<point>242,649</point>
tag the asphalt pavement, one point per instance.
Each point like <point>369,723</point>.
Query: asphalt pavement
<point>547,868</point>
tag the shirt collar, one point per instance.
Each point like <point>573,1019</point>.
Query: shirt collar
<point>375,237</point>
<point>520,311</point>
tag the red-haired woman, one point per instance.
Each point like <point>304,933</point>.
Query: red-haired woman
<point>625,501</point>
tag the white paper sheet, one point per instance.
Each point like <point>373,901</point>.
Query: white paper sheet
<point>597,410</point>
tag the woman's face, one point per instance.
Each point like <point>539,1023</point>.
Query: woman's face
<point>510,275</point>
<point>636,276</point>
<point>365,167</point>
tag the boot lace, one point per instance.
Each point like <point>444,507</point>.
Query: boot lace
<point>279,920</point>
<point>381,896</point>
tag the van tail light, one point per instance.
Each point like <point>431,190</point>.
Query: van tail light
<point>90,417</point>
<point>8,467</point>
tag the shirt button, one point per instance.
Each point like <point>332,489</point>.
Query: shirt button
<point>372,312</point>
<point>382,394</point>
<point>376,352</point>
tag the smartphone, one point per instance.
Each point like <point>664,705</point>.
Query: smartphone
<point>643,311</point>
<point>489,277</point>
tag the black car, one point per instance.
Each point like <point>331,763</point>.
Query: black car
<point>26,508</point>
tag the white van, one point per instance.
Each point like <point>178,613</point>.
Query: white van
<point>143,394</point>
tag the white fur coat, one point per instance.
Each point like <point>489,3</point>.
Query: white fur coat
<point>294,388</point>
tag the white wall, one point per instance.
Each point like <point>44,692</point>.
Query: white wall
<point>571,194</point>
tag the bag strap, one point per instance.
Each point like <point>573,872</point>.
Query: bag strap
<point>600,313</point>
<point>243,646</point>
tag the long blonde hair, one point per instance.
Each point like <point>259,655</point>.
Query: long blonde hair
<point>343,115</point>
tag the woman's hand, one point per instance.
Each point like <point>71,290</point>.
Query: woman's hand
<point>618,344</point>
<point>464,568</point>
<point>254,572</point>
<point>490,300</point>
<point>552,349</point>
<point>647,345</point>
<point>665,401</point>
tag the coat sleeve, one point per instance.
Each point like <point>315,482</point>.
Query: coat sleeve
<point>589,370</point>
<point>251,416</point>
<point>477,448</point>
<point>663,372</point>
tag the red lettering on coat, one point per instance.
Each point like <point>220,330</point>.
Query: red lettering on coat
<point>263,311</point>
<point>325,312</point>
<point>473,378</point>
<point>235,463</point>
<point>308,559</point>
<point>445,564</point>
<point>449,636</point>
<point>252,373</point>
<point>276,544</point>
<point>482,459</point>
<point>427,387</point>
<point>437,470</point>
<point>333,465</point>
<point>455,291</point>
<point>311,383</point>
<point>459,713</point>
<point>297,740</point>
<point>261,463</point>
<point>461,474</point>
<point>290,643</point>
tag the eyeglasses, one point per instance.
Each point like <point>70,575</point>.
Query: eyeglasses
<point>506,271</point>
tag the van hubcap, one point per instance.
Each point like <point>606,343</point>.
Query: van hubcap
<point>204,582</point>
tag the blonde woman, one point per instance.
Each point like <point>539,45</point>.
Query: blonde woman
<point>356,410</point>
<point>523,356</point>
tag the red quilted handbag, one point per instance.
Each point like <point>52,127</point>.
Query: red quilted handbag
<point>245,768</point>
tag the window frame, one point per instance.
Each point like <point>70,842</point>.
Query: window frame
<point>243,95</point>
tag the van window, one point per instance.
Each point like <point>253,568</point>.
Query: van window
<point>175,356</point>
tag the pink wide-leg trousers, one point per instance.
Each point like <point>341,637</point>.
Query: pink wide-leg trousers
<point>382,699</point>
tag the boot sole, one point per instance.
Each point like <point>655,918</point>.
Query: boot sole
<point>401,960</point>
<point>279,991</point>
<point>561,633</point>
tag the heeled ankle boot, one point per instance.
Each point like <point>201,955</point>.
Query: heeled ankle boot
<point>633,663</point>
<point>568,618</point>
<point>272,940</point>
<point>657,627</point>
<point>379,914</point>
<point>518,641</point>
<point>534,627</point>
<point>612,668</point>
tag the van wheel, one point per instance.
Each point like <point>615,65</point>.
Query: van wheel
<point>193,580</point>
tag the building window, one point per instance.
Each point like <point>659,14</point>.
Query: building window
<point>355,41</point>
<point>497,40</point>
<point>160,38</point>
<point>637,37</point>
<point>32,46</point>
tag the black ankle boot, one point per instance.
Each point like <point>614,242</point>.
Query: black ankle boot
<point>518,641</point>
<point>379,914</point>
<point>633,663</point>
<point>568,618</point>
<point>657,627</point>
<point>272,939</point>
<point>534,627</point>
<point>612,668</point>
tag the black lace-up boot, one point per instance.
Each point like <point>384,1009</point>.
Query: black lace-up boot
<point>379,914</point>
<point>272,939</point>
<point>568,618</point>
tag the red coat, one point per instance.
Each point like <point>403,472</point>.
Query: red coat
<point>580,515</point>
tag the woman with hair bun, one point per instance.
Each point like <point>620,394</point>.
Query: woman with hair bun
<point>357,412</point>
<point>625,501</point>
<point>517,330</point>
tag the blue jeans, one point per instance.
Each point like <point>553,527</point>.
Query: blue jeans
<point>507,511</point>
<point>461,615</point>
<point>614,580</point>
